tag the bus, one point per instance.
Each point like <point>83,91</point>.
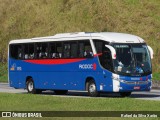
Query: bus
<point>101,62</point>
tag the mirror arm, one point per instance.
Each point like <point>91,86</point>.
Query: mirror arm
<point>113,51</point>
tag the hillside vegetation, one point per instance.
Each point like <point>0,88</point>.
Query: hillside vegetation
<point>34,18</point>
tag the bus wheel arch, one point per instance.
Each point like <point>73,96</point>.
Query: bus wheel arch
<point>30,86</point>
<point>91,87</point>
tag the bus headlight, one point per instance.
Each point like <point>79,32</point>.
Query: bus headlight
<point>117,79</point>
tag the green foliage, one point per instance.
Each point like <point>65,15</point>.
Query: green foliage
<point>156,76</point>
<point>34,18</point>
<point>3,72</point>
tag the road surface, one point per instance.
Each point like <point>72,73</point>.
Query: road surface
<point>152,95</point>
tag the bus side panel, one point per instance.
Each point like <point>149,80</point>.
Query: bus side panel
<point>70,76</point>
<point>60,80</point>
<point>14,79</point>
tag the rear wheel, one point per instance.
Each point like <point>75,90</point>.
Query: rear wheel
<point>61,92</point>
<point>125,94</point>
<point>92,91</point>
<point>31,89</point>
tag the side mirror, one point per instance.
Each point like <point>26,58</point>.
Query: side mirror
<point>150,51</point>
<point>113,51</point>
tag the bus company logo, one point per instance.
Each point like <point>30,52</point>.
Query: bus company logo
<point>88,66</point>
<point>13,67</point>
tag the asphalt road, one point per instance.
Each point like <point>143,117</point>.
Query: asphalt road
<point>152,95</point>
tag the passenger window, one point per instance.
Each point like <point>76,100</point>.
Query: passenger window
<point>42,50</point>
<point>55,50</point>
<point>52,50</point>
<point>74,50</point>
<point>66,49</point>
<point>31,51</point>
<point>98,46</point>
<point>16,51</point>
<point>58,50</point>
<point>81,50</point>
<point>70,50</point>
<point>28,51</point>
<point>85,49</point>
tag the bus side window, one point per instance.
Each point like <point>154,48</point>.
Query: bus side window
<point>74,50</point>
<point>81,50</point>
<point>88,52</point>
<point>70,49</point>
<point>26,55</point>
<point>31,51</point>
<point>85,49</point>
<point>106,60</point>
<point>98,45</point>
<point>58,53</point>
<point>16,51</point>
<point>66,50</point>
<point>41,50</point>
<point>52,50</point>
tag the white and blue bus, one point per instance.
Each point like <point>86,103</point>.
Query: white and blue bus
<point>95,62</point>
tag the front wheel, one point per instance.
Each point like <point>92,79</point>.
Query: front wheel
<point>125,94</point>
<point>92,91</point>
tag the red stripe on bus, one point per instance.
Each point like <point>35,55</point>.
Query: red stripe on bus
<point>54,61</point>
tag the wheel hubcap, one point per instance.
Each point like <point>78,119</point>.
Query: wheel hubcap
<point>92,88</point>
<point>30,86</point>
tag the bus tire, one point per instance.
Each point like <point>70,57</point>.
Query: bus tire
<point>30,87</point>
<point>92,90</point>
<point>125,94</point>
<point>61,92</point>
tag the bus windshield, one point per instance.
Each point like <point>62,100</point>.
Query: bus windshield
<point>132,60</point>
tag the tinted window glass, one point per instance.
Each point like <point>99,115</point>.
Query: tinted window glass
<point>28,51</point>
<point>66,50</point>
<point>41,50</point>
<point>16,51</point>
<point>85,49</point>
<point>99,46</point>
<point>52,50</point>
<point>70,50</point>
<point>55,50</point>
<point>74,50</point>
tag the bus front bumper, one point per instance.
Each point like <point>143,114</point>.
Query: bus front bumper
<point>130,86</point>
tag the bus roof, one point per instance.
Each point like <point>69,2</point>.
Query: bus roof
<point>107,36</point>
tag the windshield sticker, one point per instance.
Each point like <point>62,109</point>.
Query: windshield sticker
<point>121,46</point>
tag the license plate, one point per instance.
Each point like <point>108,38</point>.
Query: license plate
<point>136,87</point>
